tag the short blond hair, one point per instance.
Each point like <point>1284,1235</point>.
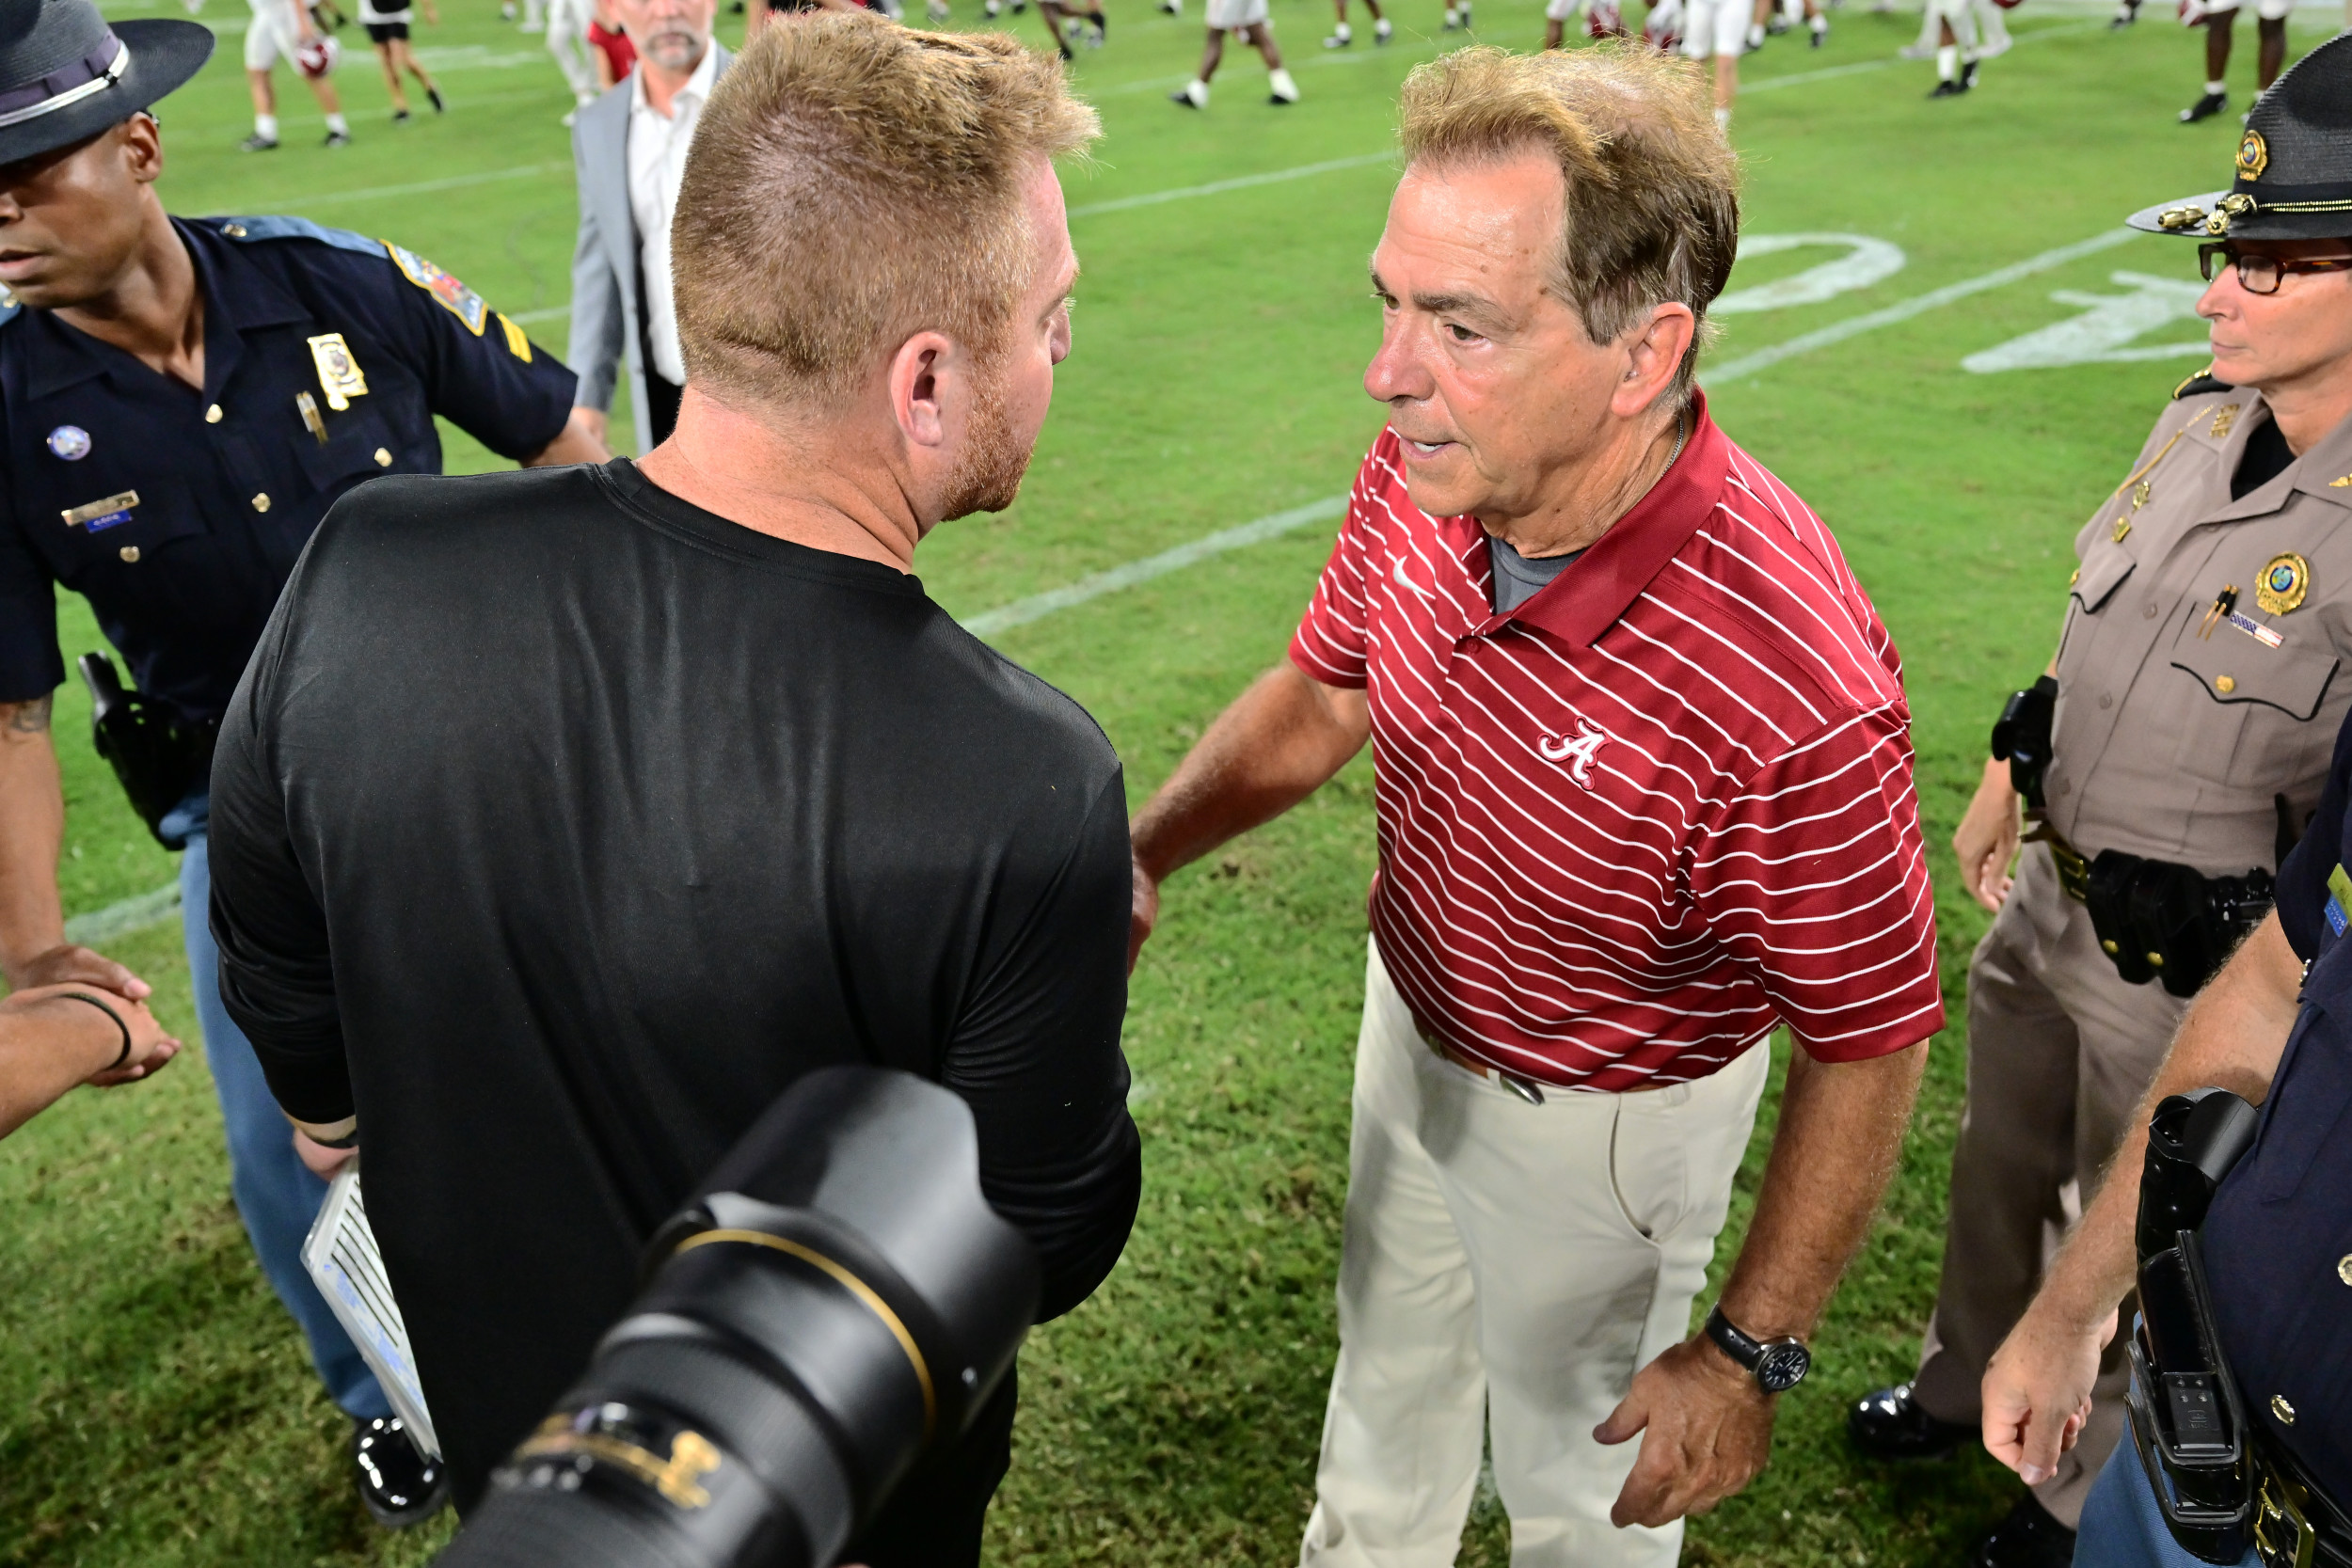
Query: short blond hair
<point>852,183</point>
<point>1652,208</point>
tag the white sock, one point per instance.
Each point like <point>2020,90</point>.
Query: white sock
<point>1380,29</point>
<point>1282,85</point>
<point>1820,25</point>
<point>1723,121</point>
<point>1341,33</point>
<point>1947,63</point>
<point>1198,90</point>
<point>2217,88</point>
<point>1451,17</point>
<point>266,127</point>
<point>338,125</point>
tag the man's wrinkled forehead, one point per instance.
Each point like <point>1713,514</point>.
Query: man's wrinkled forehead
<point>1460,237</point>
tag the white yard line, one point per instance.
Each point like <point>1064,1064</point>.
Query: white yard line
<point>1037,605</point>
<point>1902,311</point>
<point>454,182</point>
<point>1218,187</point>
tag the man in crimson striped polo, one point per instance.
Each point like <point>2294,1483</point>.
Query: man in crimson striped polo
<point>1644,787</point>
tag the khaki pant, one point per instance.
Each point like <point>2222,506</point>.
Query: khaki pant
<point>2060,1051</point>
<point>1511,1264</point>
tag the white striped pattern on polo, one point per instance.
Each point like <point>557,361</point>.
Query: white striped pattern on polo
<point>1665,805</point>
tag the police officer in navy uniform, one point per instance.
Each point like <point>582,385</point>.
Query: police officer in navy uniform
<point>2274,1024</point>
<point>180,403</point>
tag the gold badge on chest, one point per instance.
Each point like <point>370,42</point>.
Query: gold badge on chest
<point>2283,584</point>
<point>340,376</point>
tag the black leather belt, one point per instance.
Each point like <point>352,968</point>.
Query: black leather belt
<point>2157,920</point>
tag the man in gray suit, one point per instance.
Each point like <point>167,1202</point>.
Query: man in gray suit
<point>629,149</point>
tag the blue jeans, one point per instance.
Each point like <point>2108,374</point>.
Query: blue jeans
<point>2120,1526</point>
<point>277,1195</point>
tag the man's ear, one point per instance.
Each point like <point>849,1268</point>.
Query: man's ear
<point>1654,352</point>
<point>915,373</point>
<point>142,146</point>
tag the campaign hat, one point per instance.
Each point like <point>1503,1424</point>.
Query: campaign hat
<point>65,73</point>
<point>2294,163</point>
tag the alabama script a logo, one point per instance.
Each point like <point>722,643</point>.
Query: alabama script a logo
<point>1578,754</point>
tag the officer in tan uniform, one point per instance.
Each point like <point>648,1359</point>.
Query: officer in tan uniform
<point>2163,766</point>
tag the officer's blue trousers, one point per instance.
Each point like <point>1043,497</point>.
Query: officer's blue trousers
<point>277,1195</point>
<point>2121,1526</point>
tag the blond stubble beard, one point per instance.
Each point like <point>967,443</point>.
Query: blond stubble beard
<point>988,476</point>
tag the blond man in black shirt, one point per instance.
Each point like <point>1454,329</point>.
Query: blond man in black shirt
<point>560,826</point>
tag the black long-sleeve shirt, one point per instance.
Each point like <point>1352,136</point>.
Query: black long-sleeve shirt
<point>558,826</point>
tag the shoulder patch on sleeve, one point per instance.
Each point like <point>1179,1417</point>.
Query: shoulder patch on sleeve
<point>2199,385</point>
<point>454,297</point>
<point>249,229</point>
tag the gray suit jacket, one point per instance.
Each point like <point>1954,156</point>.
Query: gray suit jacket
<point>608,324</point>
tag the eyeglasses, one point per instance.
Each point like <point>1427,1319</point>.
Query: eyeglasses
<point>2260,274</point>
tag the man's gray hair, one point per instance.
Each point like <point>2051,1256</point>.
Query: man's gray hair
<point>1652,201</point>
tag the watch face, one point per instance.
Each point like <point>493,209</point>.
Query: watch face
<point>1783,1366</point>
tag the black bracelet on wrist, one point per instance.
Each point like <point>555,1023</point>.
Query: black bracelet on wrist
<point>120,1056</point>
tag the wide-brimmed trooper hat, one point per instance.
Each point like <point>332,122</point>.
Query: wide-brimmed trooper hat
<point>66,75</point>
<point>2294,163</point>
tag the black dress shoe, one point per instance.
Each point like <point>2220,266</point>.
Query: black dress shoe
<point>2028,1538</point>
<point>401,1486</point>
<point>1888,1423</point>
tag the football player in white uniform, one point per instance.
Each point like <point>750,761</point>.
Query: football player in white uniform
<point>281,29</point>
<point>2220,20</point>
<point>1718,29</point>
<point>1341,36</point>
<point>1962,35</point>
<point>1249,19</point>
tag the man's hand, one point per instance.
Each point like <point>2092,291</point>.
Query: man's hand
<point>1144,914</point>
<point>66,964</point>
<point>2037,1390</point>
<point>1709,1433</point>
<point>1988,836</point>
<point>581,440</point>
<point>151,1047</point>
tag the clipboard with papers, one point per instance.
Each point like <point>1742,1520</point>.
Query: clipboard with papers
<point>342,1257</point>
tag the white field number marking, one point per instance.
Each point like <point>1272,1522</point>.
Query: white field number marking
<point>2109,324</point>
<point>1866,261</point>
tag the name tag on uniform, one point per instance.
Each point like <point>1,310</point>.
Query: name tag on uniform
<point>97,515</point>
<point>2339,906</point>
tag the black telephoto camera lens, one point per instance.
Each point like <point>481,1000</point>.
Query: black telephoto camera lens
<point>838,1301</point>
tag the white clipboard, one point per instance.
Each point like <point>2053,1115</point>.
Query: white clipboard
<point>343,1263</point>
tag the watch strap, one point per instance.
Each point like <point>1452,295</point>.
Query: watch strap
<point>1744,1349</point>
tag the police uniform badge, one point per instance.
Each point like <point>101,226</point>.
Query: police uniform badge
<point>69,443</point>
<point>2253,154</point>
<point>340,375</point>
<point>454,297</point>
<point>2283,584</point>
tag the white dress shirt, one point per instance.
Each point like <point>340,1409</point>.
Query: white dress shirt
<point>657,157</point>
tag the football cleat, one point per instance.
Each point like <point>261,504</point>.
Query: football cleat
<point>1339,39</point>
<point>1192,95</point>
<point>1820,31</point>
<point>2205,107</point>
<point>257,143</point>
<point>337,138</point>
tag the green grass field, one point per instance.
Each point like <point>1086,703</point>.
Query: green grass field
<point>155,1406</point>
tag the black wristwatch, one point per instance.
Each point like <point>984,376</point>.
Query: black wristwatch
<point>1777,1364</point>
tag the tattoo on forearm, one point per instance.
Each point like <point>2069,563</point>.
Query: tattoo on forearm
<point>26,718</point>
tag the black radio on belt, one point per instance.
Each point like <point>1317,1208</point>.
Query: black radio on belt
<point>2223,1489</point>
<point>158,759</point>
<point>2022,735</point>
<point>2157,920</point>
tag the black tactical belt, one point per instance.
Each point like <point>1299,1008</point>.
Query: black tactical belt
<point>2156,920</point>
